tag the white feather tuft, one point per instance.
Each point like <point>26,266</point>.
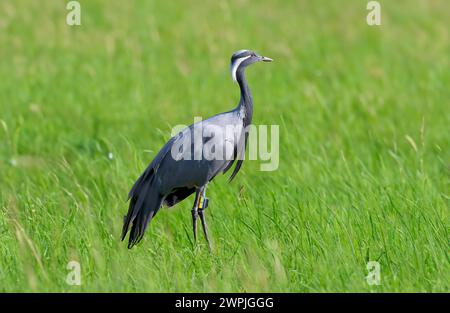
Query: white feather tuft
<point>235,65</point>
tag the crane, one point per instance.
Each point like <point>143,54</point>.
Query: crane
<point>174,174</point>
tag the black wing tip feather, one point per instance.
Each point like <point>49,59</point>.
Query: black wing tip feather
<point>144,203</point>
<point>236,170</point>
<point>136,233</point>
<point>133,238</point>
<point>139,216</point>
<point>127,220</point>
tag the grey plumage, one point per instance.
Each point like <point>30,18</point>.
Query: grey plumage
<point>168,180</point>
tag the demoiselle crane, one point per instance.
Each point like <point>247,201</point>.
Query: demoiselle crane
<point>183,166</point>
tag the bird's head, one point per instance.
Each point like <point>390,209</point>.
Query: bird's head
<point>243,58</point>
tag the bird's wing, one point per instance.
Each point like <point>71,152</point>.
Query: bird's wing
<point>169,180</point>
<point>214,167</point>
<point>145,201</point>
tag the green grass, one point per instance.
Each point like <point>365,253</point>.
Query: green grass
<point>364,144</point>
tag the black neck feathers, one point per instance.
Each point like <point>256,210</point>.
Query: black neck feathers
<point>245,107</point>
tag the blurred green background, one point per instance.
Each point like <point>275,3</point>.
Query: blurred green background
<point>364,144</point>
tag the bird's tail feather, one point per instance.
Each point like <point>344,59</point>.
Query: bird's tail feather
<point>145,202</point>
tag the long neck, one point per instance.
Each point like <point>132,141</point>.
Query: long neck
<point>245,106</point>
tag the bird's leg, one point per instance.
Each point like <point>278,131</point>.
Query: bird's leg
<point>203,204</point>
<point>195,214</point>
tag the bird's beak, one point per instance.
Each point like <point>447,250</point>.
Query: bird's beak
<point>266,59</point>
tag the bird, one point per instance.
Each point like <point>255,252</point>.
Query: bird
<point>174,175</point>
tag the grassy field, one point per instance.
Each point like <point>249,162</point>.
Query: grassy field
<point>364,119</point>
